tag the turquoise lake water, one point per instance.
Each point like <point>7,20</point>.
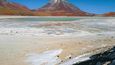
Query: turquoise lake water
<point>46,19</point>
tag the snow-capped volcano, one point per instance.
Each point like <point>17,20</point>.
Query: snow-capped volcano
<point>61,7</point>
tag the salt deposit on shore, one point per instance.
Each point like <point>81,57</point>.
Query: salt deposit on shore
<point>41,32</point>
<point>45,58</point>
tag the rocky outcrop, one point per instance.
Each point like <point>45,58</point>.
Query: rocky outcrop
<point>103,58</point>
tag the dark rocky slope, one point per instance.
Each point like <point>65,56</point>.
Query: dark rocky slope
<point>105,58</point>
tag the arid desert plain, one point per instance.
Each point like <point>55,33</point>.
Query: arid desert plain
<point>51,41</point>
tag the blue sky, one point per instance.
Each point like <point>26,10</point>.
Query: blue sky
<point>91,6</point>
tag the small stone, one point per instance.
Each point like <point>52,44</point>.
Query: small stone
<point>99,63</point>
<point>69,57</point>
<point>58,56</point>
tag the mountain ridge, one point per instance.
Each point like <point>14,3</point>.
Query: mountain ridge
<point>52,8</point>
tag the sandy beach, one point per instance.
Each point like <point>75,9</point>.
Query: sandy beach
<point>52,42</point>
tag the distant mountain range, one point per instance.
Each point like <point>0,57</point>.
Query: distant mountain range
<point>53,8</point>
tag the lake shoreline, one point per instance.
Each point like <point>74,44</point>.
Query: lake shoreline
<point>3,16</point>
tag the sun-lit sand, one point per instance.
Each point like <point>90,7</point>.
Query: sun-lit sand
<point>25,43</point>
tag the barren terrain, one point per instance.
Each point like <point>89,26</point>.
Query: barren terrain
<point>24,42</point>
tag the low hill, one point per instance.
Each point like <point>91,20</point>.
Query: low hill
<point>7,8</point>
<point>110,14</point>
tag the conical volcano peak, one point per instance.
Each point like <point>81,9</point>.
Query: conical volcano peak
<point>59,5</point>
<point>60,8</point>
